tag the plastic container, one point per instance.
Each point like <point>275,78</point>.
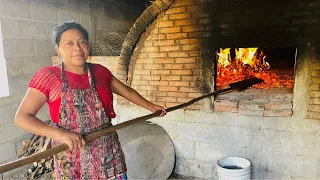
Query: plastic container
<point>234,168</point>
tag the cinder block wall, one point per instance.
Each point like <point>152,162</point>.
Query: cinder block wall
<point>26,30</point>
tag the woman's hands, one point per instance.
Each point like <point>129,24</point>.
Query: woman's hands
<point>154,108</point>
<point>73,140</point>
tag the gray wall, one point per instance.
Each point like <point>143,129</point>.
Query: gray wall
<point>26,30</point>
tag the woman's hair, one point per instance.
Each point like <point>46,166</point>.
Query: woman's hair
<point>60,29</point>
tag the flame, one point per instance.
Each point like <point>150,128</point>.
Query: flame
<point>248,62</point>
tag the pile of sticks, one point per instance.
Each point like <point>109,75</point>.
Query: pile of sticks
<point>34,145</point>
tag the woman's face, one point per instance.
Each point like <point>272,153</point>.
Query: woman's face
<point>73,47</point>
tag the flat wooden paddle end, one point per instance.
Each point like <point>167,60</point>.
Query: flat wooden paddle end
<point>241,85</point>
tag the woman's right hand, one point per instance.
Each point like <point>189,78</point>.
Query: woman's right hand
<point>73,140</point>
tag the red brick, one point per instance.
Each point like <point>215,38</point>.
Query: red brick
<point>314,94</point>
<point>171,78</point>
<point>178,83</point>
<point>137,77</point>
<point>316,80</point>
<point>314,108</point>
<point>173,66</point>
<point>315,72</point>
<point>135,82</point>
<point>314,101</point>
<point>145,61</point>
<point>180,16</point>
<point>194,53</point>
<point>176,94</point>
<point>186,60</point>
<point>194,107</point>
<point>163,104</point>
<point>139,71</point>
<point>183,3</point>
<point>193,84</point>
<point>279,105</point>
<point>314,87</point>
<point>147,43</point>
<point>153,66</point>
<point>150,49</point>
<point>167,99</point>
<point>170,104</point>
<point>225,109</point>
<point>155,55</point>
<point>163,43</point>
<point>178,54</point>
<point>188,89</point>
<point>152,78</point>
<point>188,78</point>
<point>167,88</point>
<point>191,66</point>
<point>313,115</point>
<point>195,8</point>
<point>143,55</point>
<point>158,83</point>
<point>226,103</point>
<point>177,35</point>
<point>158,94</point>
<point>155,31</point>
<point>148,88</point>
<point>156,37</point>
<point>194,95</point>
<point>316,65</point>
<point>170,30</point>
<point>169,48</point>
<point>192,28</point>
<point>164,60</point>
<point>185,22</point>
<point>165,24</point>
<point>277,113</point>
<point>181,72</point>
<point>188,41</point>
<point>249,105</point>
<point>183,100</point>
<point>176,10</point>
<point>160,72</point>
<point>190,47</point>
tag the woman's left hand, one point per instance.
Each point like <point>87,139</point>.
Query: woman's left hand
<point>154,108</point>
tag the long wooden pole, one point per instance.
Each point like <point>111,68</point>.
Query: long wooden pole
<point>41,155</point>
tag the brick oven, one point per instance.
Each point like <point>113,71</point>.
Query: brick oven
<point>174,53</point>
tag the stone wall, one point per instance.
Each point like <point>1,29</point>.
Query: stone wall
<point>26,30</point>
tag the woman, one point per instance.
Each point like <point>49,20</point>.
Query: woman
<point>79,96</point>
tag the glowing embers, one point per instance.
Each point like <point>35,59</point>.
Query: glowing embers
<point>236,64</point>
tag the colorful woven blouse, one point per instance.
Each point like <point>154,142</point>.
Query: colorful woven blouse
<point>48,81</point>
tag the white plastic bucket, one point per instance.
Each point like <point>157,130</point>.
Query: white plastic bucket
<point>234,168</point>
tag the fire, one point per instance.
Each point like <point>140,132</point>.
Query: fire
<point>245,63</point>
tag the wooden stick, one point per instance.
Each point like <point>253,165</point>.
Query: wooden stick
<point>50,152</point>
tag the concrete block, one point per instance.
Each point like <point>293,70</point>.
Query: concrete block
<point>15,9</point>
<point>9,28</point>
<point>276,141</point>
<point>50,27</point>
<point>230,136</point>
<point>85,20</point>
<point>9,132</point>
<point>6,114</point>
<point>184,148</point>
<point>45,48</point>
<point>67,15</point>
<point>18,48</point>
<point>278,105</point>
<point>306,144</point>
<point>19,84</point>
<point>201,169</point>
<point>7,152</point>
<point>14,66</point>
<point>248,112</point>
<point>213,152</point>
<point>56,3</point>
<point>226,103</point>
<point>196,132</point>
<point>45,13</point>
<point>28,29</point>
<point>12,99</point>
<point>169,126</point>
<point>32,64</point>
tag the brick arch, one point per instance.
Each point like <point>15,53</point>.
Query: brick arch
<point>132,38</point>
